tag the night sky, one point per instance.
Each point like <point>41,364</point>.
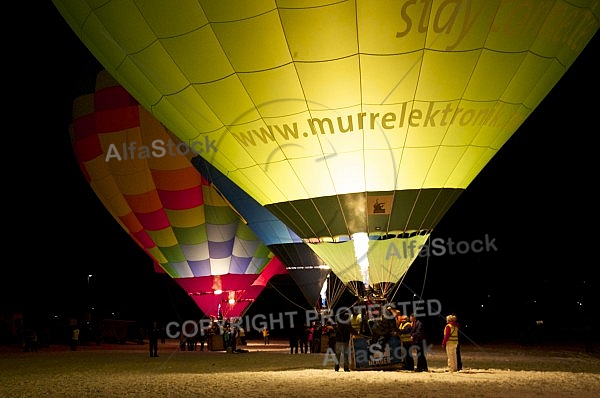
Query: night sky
<point>535,200</point>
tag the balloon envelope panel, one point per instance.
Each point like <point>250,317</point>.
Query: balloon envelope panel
<point>239,296</point>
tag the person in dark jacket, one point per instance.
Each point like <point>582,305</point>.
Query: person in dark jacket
<point>330,331</point>
<point>304,332</point>
<point>153,333</point>
<point>294,340</point>
<point>417,335</point>
<point>458,358</point>
<point>316,341</point>
<point>343,332</point>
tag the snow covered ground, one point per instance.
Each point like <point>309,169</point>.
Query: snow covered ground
<point>270,371</point>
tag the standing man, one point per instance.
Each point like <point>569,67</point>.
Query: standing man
<point>316,341</point>
<point>417,335</point>
<point>458,358</point>
<point>304,333</point>
<point>153,333</point>
<point>294,340</point>
<point>343,332</point>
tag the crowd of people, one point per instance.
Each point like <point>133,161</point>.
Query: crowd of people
<point>409,332</point>
<point>226,337</point>
<point>306,339</point>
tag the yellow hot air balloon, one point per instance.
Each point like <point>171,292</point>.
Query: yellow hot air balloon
<point>357,123</point>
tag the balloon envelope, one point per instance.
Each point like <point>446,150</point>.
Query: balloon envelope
<point>144,177</point>
<point>360,120</point>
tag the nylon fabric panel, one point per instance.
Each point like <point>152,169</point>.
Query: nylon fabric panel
<point>187,111</point>
<point>176,180</point>
<point>187,218</point>
<point>147,203</point>
<point>271,91</point>
<point>192,235</point>
<point>163,238</point>
<point>220,215</point>
<point>192,51</point>
<point>503,67</point>
<point>254,44</point>
<point>245,234</point>
<point>341,257</point>
<point>220,232</point>
<point>166,24</point>
<point>331,85</point>
<point>414,166</point>
<point>201,267</point>
<point>236,9</point>
<point>154,221</point>
<point>409,210</point>
<point>239,265</point>
<point>220,250</point>
<point>444,75</point>
<point>390,259</point>
<point>332,26</point>
<point>174,255</point>
<point>181,199</point>
<point>119,119</point>
<point>244,248</point>
<point>389,80</point>
<point>180,269</point>
<point>196,251</point>
<point>310,282</point>
<point>219,266</point>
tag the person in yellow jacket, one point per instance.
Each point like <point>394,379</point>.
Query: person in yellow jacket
<point>356,320</point>
<point>450,342</point>
<point>404,329</point>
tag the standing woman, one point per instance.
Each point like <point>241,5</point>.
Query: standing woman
<point>450,342</point>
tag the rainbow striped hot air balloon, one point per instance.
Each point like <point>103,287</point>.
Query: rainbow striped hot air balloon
<point>144,177</point>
